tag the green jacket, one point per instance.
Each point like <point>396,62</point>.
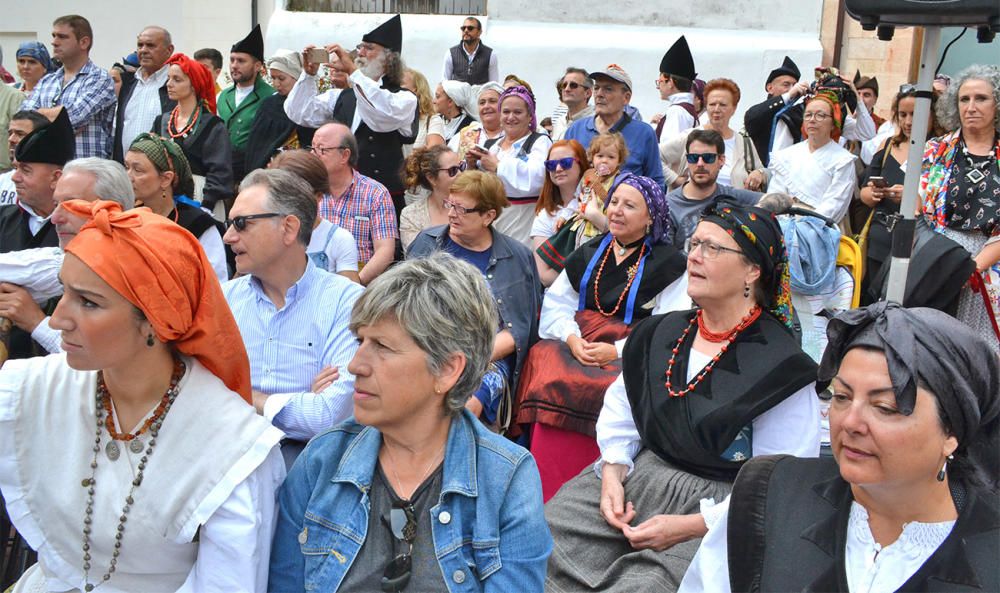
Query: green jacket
<point>239,119</point>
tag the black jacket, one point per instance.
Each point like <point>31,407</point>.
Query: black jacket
<point>124,95</point>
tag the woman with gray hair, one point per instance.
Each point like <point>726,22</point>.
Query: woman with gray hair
<point>960,188</point>
<point>272,131</point>
<point>414,491</point>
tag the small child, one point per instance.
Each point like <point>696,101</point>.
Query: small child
<point>607,154</point>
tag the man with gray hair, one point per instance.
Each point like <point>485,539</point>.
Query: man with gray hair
<point>31,276</point>
<point>292,315</point>
<point>378,111</point>
<point>144,96</point>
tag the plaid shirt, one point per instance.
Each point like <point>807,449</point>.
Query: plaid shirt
<point>89,100</point>
<point>366,211</point>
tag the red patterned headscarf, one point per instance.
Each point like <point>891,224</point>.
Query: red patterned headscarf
<point>836,108</point>
<point>201,79</point>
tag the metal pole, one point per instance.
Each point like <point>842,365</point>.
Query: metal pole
<point>904,230</point>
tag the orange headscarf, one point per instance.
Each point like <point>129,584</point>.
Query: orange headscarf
<point>201,78</point>
<point>836,108</point>
<point>161,268</point>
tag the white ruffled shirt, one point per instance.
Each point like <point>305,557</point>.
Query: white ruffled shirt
<point>825,178</point>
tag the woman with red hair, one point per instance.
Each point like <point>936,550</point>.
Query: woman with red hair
<point>557,202</point>
<point>201,134</point>
<point>817,172</point>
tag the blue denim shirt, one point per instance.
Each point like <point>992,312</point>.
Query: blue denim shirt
<point>489,527</point>
<point>513,279</point>
<point>640,138</point>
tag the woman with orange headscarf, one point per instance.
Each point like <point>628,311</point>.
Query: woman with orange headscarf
<point>202,134</point>
<point>132,460</point>
<point>817,172</point>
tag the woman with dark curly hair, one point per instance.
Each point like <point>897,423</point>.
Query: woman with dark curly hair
<point>432,169</point>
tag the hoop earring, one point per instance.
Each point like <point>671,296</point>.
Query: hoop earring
<point>150,341</point>
<point>941,474</point>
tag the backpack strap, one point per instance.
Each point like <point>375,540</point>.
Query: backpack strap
<point>747,520</point>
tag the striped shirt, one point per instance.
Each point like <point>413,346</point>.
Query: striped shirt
<point>89,100</point>
<point>365,210</point>
<point>288,347</point>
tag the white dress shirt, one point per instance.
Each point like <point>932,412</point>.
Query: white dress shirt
<point>143,105</point>
<point>380,109</point>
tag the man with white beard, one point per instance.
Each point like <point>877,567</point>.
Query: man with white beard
<point>368,99</point>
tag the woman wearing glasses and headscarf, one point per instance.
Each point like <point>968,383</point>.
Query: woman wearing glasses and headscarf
<point>700,392</point>
<point>909,500</point>
<point>414,493</point>
<point>609,283</point>
<point>474,202</point>
<point>133,461</point>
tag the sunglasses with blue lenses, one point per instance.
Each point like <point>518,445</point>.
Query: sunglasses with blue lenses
<point>565,163</point>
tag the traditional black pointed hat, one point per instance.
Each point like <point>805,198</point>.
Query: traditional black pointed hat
<point>389,34</point>
<point>788,68</point>
<point>864,82</point>
<point>52,143</point>
<point>678,60</point>
<point>252,44</point>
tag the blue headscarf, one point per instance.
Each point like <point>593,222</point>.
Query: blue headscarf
<point>36,51</point>
<point>661,230</point>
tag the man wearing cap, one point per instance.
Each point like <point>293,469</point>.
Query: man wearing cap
<point>84,91</point>
<point>612,92</point>
<point>782,89</point>
<point>675,84</point>
<point>238,104</point>
<point>471,60</point>
<point>144,96</point>
<point>21,124</point>
<point>868,93</point>
<point>369,101</point>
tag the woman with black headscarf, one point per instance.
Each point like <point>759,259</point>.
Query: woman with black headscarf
<point>701,391</point>
<point>909,501</point>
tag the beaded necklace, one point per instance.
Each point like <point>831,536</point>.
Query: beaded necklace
<point>729,336</point>
<point>631,278</point>
<point>90,483</point>
<point>172,122</point>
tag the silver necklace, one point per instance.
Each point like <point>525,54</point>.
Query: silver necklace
<point>90,483</point>
<point>427,470</point>
<point>978,171</point>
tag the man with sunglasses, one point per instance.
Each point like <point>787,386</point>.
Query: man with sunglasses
<point>575,90</point>
<point>471,60</point>
<point>292,315</point>
<point>706,153</point>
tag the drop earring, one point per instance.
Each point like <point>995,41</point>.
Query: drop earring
<point>746,290</point>
<point>941,474</point>
<point>150,340</point>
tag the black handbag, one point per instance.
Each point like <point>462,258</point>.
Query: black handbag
<point>939,268</point>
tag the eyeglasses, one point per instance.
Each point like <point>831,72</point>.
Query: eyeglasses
<point>403,522</point>
<point>708,157</point>
<point>572,85</point>
<point>240,222</point>
<point>322,150</point>
<point>455,169</point>
<point>816,116</point>
<point>565,163</point>
<point>708,249</point>
<point>468,27</point>
<point>460,210</point>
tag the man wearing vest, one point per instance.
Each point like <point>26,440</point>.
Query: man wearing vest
<point>675,83</point>
<point>238,104</point>
<point>782,89</point>
<point>368,100</point>
<point>471,61</point>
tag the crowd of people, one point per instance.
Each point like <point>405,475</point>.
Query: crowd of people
<point>336,328</point>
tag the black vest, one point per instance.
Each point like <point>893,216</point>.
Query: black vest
<point>475,72</point>
<point>380,154</point>
<point>15,236</point>
<point>787,531</point>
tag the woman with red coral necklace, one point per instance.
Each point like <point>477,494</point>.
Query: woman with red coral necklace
<point>201,134</point>
<point>700,392</point>
<point>610,282</point>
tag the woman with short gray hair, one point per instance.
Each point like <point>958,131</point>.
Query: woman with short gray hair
<point>414,492</point>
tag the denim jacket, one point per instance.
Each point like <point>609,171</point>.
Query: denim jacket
<point>513,279</point>
<point>489,527</point>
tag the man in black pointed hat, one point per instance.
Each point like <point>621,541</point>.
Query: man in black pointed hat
<point>782,88</point>
<point>370,101</point>
<point>238,104</point>
<point>676,83</point>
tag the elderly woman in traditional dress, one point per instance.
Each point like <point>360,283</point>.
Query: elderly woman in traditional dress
<point>518,158</point>
<point>611,282</point>
<point>451,100</point>
<point>133,461</point>
<point>414,492</point>
<point>474,202</point>
<point>909,500</point>
<point>960,186</point>
<point>817,172</point>
<point>194,125</point>
<point>700,392</point>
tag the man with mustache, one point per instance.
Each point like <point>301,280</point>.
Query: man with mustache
<point>706,153</point>
<point>368,100</point>
<point>238,104</point>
